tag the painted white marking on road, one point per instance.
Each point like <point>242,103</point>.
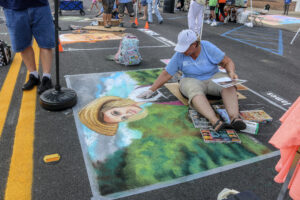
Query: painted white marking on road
<point>148,31</point>
<point>3,33</point>
<point>268,100</point>
<point>111,48</point>
<point>160,38</point>
<point>167,41</point>
<point>278,98</point>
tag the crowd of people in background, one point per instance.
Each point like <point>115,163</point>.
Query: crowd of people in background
<point>198,10</point>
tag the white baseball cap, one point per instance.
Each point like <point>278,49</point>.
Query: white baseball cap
<point>185,39</point>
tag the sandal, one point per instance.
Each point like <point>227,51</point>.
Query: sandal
<point>219,125</point>
<point>238,124</point>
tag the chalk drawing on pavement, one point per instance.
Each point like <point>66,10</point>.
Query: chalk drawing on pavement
<point>276,20</point>
<point>90,37</point>
<point>139,154</point>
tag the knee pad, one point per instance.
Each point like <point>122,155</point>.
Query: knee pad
<point>131,14</point>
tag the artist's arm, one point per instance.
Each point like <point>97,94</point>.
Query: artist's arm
<point>162,79</point>
<point>228,64</point>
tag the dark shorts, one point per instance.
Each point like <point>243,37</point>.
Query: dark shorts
<point>108,6</point>
<point>212,7</point>
<point>143,2</point>
<point>23,24</point>
<point>129,7</point>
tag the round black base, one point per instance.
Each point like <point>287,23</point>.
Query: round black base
<point>55,100</point>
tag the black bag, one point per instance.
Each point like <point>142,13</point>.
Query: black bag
<point>5,53</point>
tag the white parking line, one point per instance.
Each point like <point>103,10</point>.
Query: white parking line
<point>108,48</point>
<point>268,100</point>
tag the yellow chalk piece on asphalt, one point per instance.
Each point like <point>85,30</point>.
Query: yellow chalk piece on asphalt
<point>51,158</point>
<point>19,181</point>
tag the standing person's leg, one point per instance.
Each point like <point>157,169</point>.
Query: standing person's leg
<point>92,5</point>
<point>192,14</point>
<point>144,4</point>
<point>287,9</point>
<point>153,6</point>
<point>96,4</point>
<point>19,27</point>
<point>104,17</point>
<point>182,4</point>
<point>150,20</point>
<point>221,9</point>
<point>121,8</point>
<point>130,9</point>
<point>28,59</point>
<point>213,15</point>
<point>46,60</point>
<point>43,32</point>
<point>110,9</point>
<point>139,6</point>
<point>105,4</point>
<point>157,13</point>
<point>200,11</point>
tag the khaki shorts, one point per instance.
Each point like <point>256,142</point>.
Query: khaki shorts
<point>191,87</point>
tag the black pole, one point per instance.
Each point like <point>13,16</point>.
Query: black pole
<point>57,98</point>
<point>57,86</point>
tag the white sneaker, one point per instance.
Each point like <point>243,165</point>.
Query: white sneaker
<point>214,23</point>
<point>226,20</point>
<point>207,21</point>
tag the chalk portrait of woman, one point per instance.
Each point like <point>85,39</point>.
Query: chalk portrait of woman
<point>104,114</point>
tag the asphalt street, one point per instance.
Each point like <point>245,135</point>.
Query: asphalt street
<point>262,55</point>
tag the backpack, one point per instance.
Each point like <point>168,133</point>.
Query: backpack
<point>5,54</point>
<point>128,53</point>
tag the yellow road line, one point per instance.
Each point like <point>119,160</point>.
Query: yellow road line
<point>8,89</point>
<point>19,180</point>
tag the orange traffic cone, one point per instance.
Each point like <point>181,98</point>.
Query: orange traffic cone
<point>136,21</point>
<point>60,48</point>
<point>146,25</point>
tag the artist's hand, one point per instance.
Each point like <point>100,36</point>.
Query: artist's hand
<point>233,75</point>
<point>146,94</point>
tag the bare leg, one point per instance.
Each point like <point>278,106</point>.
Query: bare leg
<point>230,100</point>
<point>28,59</point>
<point>145,13</point>
<point>46,59</point>
<point>104,19</point>
<point>121,20</point>
<point>131,20</point>
<point>213,14</point>
<point>201,104</point>
<point>109,19</point>
<point>139,6</point>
